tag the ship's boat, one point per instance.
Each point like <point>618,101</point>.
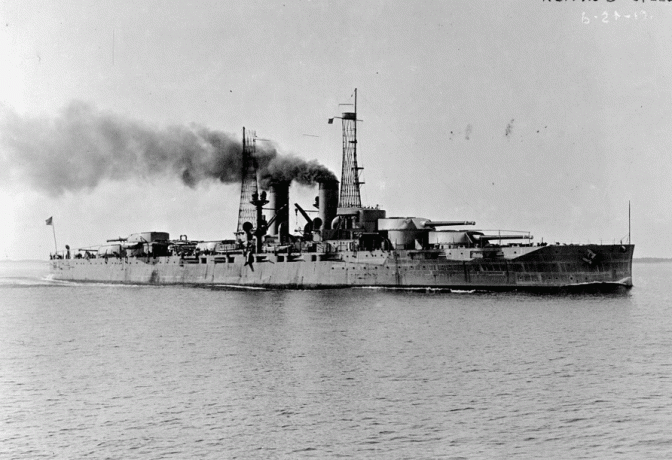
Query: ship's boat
<point>349,245</point>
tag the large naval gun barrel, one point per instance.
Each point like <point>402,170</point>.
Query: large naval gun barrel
<point>478,237</point>
<point>446,223</point>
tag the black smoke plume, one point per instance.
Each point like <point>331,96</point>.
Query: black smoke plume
<point>83,146</point>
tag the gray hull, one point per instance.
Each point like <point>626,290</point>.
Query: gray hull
<point>544,268</point>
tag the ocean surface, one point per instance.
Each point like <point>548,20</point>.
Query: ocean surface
<point>124,372</point>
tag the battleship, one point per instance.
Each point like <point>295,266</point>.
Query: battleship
<point>347,245</point>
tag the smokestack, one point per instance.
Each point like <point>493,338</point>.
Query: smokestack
<point>328,202</point>
<point>278,196</point>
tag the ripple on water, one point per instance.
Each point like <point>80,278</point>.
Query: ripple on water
<point>110,371</point>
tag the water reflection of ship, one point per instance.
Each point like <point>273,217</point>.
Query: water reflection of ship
<point>348,244</point>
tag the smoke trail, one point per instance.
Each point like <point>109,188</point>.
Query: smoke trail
<point>83,146</point>
<point>291,168</point>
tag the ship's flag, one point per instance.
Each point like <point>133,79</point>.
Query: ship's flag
<point>50,221</point>
<point>331,121</point>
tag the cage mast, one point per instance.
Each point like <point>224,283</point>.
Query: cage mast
<point>350,195</point>
<point>249,185</point>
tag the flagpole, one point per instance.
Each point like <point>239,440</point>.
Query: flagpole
<point>53,227</point>
<point>629,240</point>
<point>50,221</point>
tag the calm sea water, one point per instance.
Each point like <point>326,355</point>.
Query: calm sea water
<point>121,372</point>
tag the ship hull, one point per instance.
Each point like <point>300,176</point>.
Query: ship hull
<point>545,268</point>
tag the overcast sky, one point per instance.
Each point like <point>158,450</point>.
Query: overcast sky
<point>525,115</point>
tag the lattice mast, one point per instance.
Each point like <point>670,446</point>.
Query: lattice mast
<point>350,196</point>
<point>249,186</point>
